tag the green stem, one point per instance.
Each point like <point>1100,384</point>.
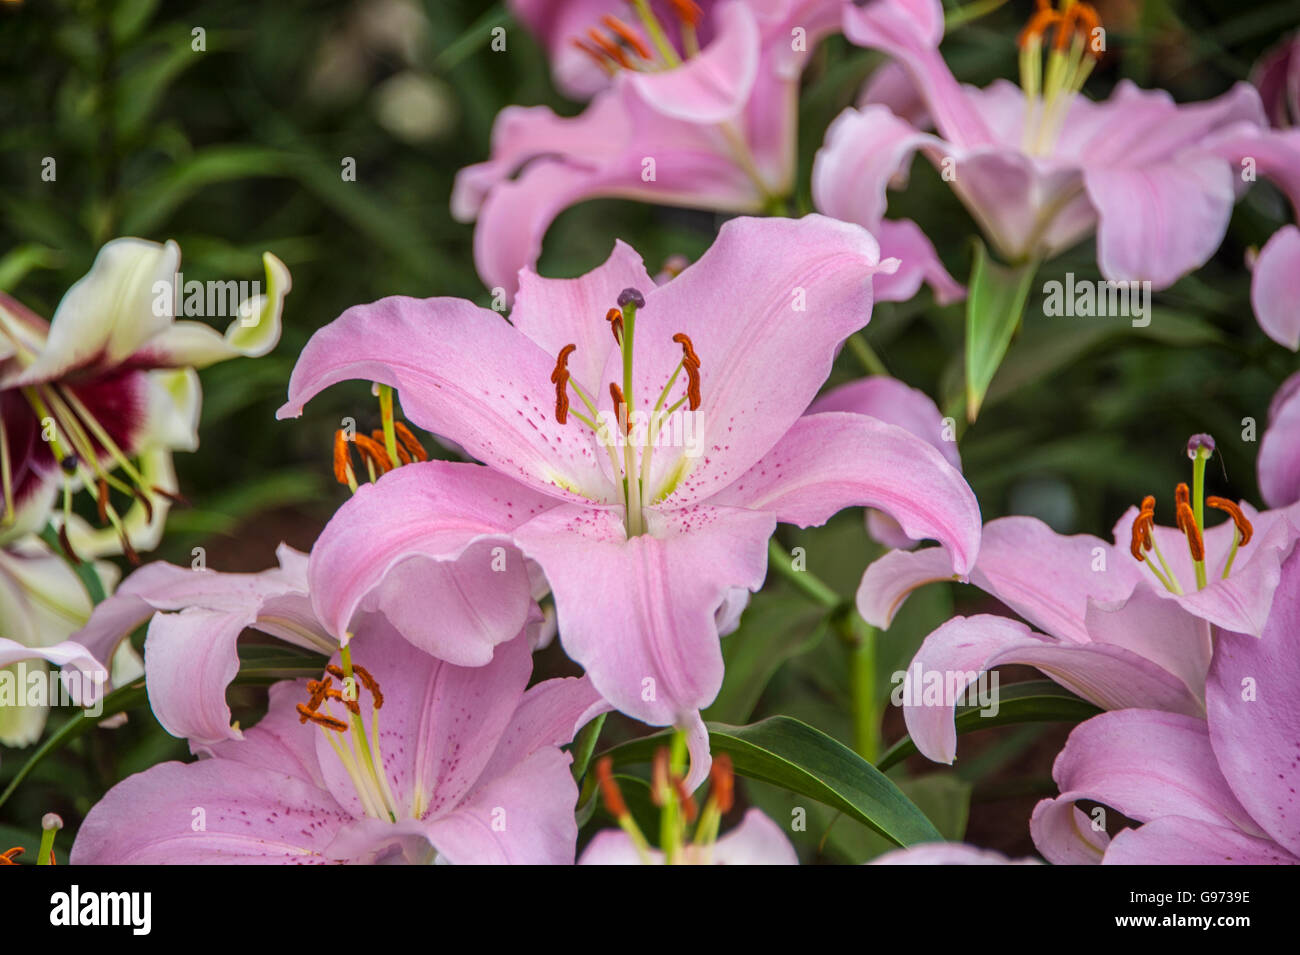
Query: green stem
<point>860,637</point>
<point>1198,506</point>
<point>808,583</point>
<point>47,846</point>
<point>867,355</point>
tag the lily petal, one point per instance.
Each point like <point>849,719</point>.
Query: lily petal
<point>1275,287</point>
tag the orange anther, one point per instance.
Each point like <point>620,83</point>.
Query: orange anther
<point>723,783</point>
<point>609,790</point>
<point>609,48</point>
<point>342,457</point>
<point>688,11</point>
<point>1187,524</point>
<point>627,35</point>
<point>1244,527</point>
<point>561,378</point>
<point>408,441</point>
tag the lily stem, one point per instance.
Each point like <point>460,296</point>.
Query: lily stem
<point>867,355</point>
<point>860,638</point>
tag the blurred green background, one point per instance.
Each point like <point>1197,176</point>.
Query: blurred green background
<point>238,148</point>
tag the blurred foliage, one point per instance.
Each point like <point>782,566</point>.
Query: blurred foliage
<point>238,148</point>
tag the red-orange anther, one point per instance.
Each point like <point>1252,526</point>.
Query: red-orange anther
<point>609,790</point>
<point>413,447</point>
<point>1187,524</point>
<point>722,781</point>
<point>9,855</point>
<point>373,451</point>
<point>561,378</point>
<point>627,35</point>
<point>609,48</point>
<point>620,406</point>
<point>1244,527</point>
<point>688,11</point>
<point>342,457</point>
<point>615,319</point>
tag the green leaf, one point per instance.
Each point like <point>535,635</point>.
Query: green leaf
<point>797,757</point>
<point>993,310</point>
<point>943,797</point>
<point>1035,701</point>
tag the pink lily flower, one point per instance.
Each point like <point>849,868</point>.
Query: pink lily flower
<point>1041,167</point>
<point>407,759</point>
<point>111,377</point>
<point>699,110</point>
<point>647,526</point>
<point>1279,449</point>
<point>1118,631</point>
<point>892,402</point>
<point>1206,791</point>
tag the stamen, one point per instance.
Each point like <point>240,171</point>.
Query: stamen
<point>688,11</point>
<point>620,407</point>
<point>609,48</point>
<point>609,790</point>
<point>1182,499</point>
<point>1044,19</point>
<point>661,788</point>
<point>595,54</point>
<point>722,780</point>
<point>370,683</point>
<point>101,500</point>
<point>1187,524</point>
<point>1244,527</point>
<point>560,376</point>
<point>320,719</point>
<point>9,855</point>
<point>412,445</point>
<point>629,36</point>
<point>66,544</point>
<point>343,460</point>
<point>615,319</point>
<point>689,809</point>
<point>691,363</point>
<point>372,451</point>
<point>403,456</point>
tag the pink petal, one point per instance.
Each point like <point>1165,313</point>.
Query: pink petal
<point>910,31</point>
<point>964,647</point>
<point>1148,764</point>
<point>461,372</point>
<point>903,239</point>
<point>558,312</point>
<point>889,580</point>
<point>250,815</point>
<point>638,615</point>
<point>522,818</point>
<point>756,841</point>
<point>1275,287</point>
<point>1253,698</point>
<point>429,543</point>
<point>893,402</point>
<point>835,460</point>
<point>1064,834</point>
<point>1175,840</point>
<point>1158,221</point>
<point>1279,449</point>
<point>713,86</point>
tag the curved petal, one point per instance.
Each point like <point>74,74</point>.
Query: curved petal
<point>910,31</point>
<point>1065,835</point>
<point>209,812</point>
<point>550,714</point>
<point>830,461</point>
<point>889,580</point>
<point>253,333</point>
<point>1159,221</point>
<point>1279,449</point>
<point>85,686</point>
<point>903,239</point>
<point>1275,287</point>
<point>428,545</point>
<point>714,86</point>
<point>615,847</point>
<point>1253,702</point>
<point>190,659</point>
<point>953,656</point>
<point>865,151</point>
<point>893,402</point>
<point>279,741</point>
<point>638,614</point>
<point>1148,764</point>
<point>110,312</point>
<point>1176,840</point>
<point>464,373</point>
